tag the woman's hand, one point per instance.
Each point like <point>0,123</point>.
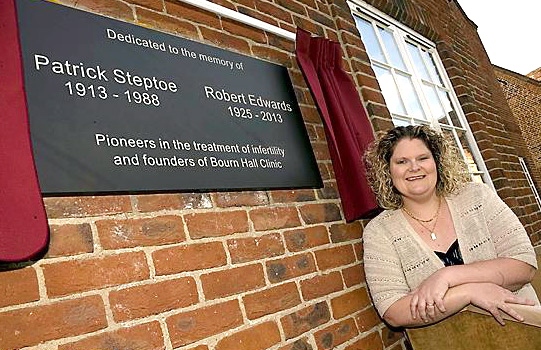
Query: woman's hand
<point>495,299</point>
<point>429,296</point>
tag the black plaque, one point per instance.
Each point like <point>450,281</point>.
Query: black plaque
<point>115,107</point>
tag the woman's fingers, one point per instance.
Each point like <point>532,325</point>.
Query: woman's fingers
<point>423,308</point>
<point>497,315</point>
<point>431,310</point>
<point>518,300</point>
<point>440,306</point>
<point>509,310</point>
<point>413,306</point>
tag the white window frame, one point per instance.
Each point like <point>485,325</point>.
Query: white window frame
<point>403,34</point>
<point>530,181</point>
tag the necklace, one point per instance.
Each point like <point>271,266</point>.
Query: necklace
<point>430,230</point>
<point>421,220</point>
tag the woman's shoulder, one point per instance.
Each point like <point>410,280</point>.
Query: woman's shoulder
<point>384,219</point>
<point>472,190</point>
<point>473,197</point>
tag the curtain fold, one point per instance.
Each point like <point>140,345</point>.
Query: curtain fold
<point>24,231</point>
<point>345,119</point>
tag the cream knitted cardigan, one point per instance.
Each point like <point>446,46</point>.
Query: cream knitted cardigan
<point>396,260</point>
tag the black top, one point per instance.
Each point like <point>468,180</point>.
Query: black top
<point>452,256</point>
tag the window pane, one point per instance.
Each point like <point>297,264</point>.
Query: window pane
<point>418,63</point>
<point>448,109</point>
<point>389,90</point>
<point>470,160</point>
<point>434,104</point>
<point>410,98</point>
<point>392,49</point>
<point>370,40</point>
<point>435,77</point>
<point>400,122</point>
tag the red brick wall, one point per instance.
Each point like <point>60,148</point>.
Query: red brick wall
<point>274,270</point>
<point>523,94</point>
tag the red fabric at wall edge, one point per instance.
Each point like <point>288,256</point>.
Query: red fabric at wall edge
<point>24,232</point>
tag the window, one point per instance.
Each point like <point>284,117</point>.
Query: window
<point>413,82</point>
<point>530,181</point>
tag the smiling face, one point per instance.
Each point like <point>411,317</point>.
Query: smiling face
<point>413,169</point>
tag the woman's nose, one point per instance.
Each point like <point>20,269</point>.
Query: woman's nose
<point>414,166</point>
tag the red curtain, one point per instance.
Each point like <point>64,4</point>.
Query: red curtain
<point>347,127</point>
<point>24,231</point>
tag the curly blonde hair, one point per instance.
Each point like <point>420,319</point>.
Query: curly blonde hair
<point>451,168</point>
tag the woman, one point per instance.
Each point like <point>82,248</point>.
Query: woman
<point>443,242</point>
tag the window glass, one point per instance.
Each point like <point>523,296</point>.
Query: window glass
<point>429,60</point>
<point>389,90</point>
<point>434,104</point>
<point>370,40</point>
<point>448,109</point>
<point>401,122</point>
<point>417,61</point>
<point>413,105</point>
<point>392,49</point>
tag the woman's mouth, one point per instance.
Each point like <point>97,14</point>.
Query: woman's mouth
<point>413,178</point>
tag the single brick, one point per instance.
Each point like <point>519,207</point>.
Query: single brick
<point>189,257</point>
<point>152,299</point>
<point>68,207</point>
<point>305,319</point>
<point>176,201</point>
<point>353,275</point>
<point>350,303</point>
<point>389,336</point>
<point>259,337</point>
<point>232,281</point>
<point>115,9</point>
<point>292,196</point>
<point>372,341</point>
<point>241,199</point>
<point>367,319</point>
<point>225,40</point>
<point>255,248</point>
<point>320,286</point>
<point>290,267</point>
<point>116,234</point>
<point>191,13</point>
<point>69,240</point>
<point>317,213</point>
<point>189,327</point>
<point>335,257</point>
<point>145,336</point>
<point>336,334</point>
<point>216,224</point>
<point>346,232</point>
<point>274,218</point>
<point>18,287</point>
<point>77,276</point>
<point>271,300</point>
<point>305,238</point>
<point>300,344</point>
